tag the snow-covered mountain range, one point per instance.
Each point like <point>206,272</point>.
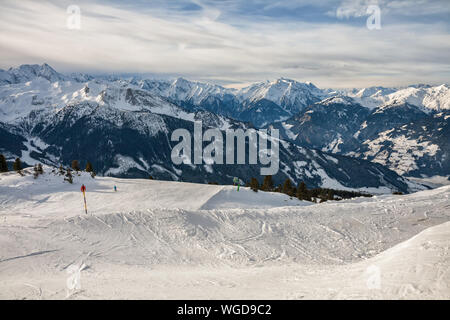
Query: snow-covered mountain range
<point>411,140</point>
<point>429,98</point>
<point>123,125</point>
<point>293,96</point>
<point>290,97</point>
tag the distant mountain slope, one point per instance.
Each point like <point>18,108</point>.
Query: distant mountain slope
<point>35,101</point>
<point>420,147</point>
<point>408,139</point>
<point>436,98</point>
<point>260,103</point>
<point>329,125</point>
<point>125,131</point>
<point>29,72</point>
<point>289,97</point>
<point>137,144</point>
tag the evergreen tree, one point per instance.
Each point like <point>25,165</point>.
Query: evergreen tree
<point>287,187</point>
<point>254,184</point>
<point>36,172</point>
<point>89,167</point>
<point>3,164</point>
<point>267,184</point>
<point>302,192</point>
<point>75,165</point>
<point>69,177</point>
<point>330,195</point>
<point>17,165</point>
<point>40,169</point>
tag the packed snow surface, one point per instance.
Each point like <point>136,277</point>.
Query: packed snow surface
<point>168,240</point>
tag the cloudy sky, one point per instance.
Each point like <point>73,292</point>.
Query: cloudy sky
<point>234,42</point>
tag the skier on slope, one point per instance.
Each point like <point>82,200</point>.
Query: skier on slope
<point>115,188</point>
<point>83,188</point>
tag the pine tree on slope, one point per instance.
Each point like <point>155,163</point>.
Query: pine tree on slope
<point>254,184</point>
<point>89,167</point>
<point>17,165</point>
<point>3,164</point>
<point>287,187</point>
<point>267,184</point>
<point>302,192</point>
<point>75,165</point>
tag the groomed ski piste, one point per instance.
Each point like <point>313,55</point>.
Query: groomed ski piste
<point>173,240</point>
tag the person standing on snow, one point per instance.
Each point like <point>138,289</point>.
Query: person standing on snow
<point>115,188</point>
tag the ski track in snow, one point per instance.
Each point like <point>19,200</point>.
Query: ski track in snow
<point>155,239</point>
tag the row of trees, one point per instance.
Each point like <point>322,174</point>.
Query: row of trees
<point>75,165</point>
<point>17,165</point>
<point>301,191</point>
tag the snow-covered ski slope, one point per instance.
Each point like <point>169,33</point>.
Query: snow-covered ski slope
<point>164,240</point>
<point>50,195</point>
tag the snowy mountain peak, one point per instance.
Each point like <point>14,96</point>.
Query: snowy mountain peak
<point>339,99</point>
<point>180,81</point>
<point>424,96</point>
<point>374,91</point>
<point>402,105</point>
<point>81,77</point>
<point>27,72</point>
<point>420,85</point>
<point>289,94</point>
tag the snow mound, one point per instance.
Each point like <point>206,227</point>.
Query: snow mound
<point>229,197</point>
<point>418,268</point>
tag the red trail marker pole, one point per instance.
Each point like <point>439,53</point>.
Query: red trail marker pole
<point>83,189</point>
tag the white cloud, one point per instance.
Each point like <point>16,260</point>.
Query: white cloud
<point>199,45</point>
<point>358,8</point>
